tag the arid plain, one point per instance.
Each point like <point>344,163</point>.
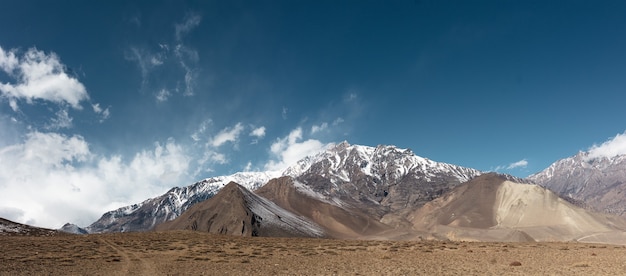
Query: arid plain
<point>197,253</point>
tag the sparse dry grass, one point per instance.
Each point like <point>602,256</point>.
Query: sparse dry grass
<point>195,253</point>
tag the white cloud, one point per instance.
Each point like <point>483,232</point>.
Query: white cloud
<point>162,95</point>
<point>515,165</point>
<point>191,21</point>
<point>258,132</point>
<point>612,147</point>
<point>316,128</point>
<point>288,150</point>
<point>156,60</point>
<point>50,179</point>
<point>8,60</point>
<point>338,121</point>
<point>13,105</point>
<point>62,120</point>
<point>39,76</point>
<point>229,134</point>
<point>519,164</point>
<point>104,114</point>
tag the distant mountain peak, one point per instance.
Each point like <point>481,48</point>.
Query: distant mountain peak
<point>597,182</point>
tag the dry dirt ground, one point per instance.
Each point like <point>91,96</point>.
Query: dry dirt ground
<point>195,253</point>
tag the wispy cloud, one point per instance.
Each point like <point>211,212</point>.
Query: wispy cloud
<point>61,120</point>
<point>229,134</point>
<point>189,23</point>
<point>284,113</point>
<point>162,95</point>
<point>317,128</point>
<point>163,55</point>
<point>200,132</point>
<point>610,148</point>
<point>146,61</point>
<point>515,165</point>
<point>519,164</point>
<point>104,113</point>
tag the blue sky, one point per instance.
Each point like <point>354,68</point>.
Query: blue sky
<point>113,102</point>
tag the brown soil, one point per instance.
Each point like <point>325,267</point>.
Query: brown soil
<point>196,253</point>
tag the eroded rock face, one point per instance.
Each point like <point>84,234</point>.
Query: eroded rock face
<point>338,219</point>
<point>598,183</point>
<point>237,211</point>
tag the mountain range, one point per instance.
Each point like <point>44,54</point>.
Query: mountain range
<point>384,177</point>
<point>384,192</point>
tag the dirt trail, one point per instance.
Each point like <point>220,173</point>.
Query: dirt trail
<point>133,263</point>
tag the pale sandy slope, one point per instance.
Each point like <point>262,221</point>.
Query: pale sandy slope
<point>491,208</point>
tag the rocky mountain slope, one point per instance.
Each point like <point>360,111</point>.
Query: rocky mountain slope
<point>599,183</point>
<point>384,181</point>
<point>10,228</point>
<point>492,208</point>
<point>338,219</point>
<point>237,211</point>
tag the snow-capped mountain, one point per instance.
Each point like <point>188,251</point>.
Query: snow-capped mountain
<point>385,176</point>
<point>145,215</point>
<point>383,179</point>
<point>599,182</point>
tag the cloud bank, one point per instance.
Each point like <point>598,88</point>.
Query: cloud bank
<point>50,178</point>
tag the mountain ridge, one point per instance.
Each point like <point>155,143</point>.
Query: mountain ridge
<point>380,171</point>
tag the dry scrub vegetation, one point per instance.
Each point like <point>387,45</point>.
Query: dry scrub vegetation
<point>180,252</point>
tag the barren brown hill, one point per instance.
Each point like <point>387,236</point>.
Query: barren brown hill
<point>491,208</point>
<point>237,211</point>
<point>338,219</point>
